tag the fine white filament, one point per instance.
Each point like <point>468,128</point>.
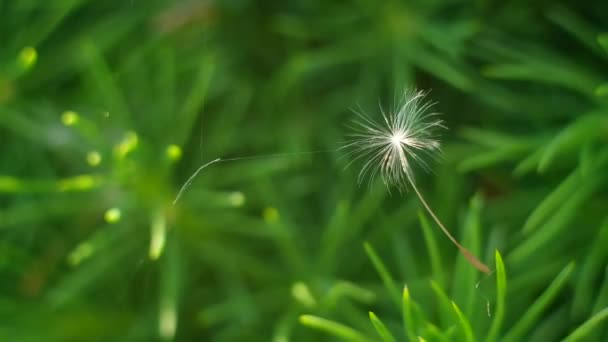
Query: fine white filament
<point>189,181</point>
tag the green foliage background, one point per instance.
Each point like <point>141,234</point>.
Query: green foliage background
<point>107,107</point>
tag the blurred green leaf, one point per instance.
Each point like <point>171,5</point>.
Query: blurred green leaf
<point>385,275</point>
<point>501,292</point>
<point>464,324</point>
<point>531,315</point>
<point>381,329</point>
<point>336,329</point>
<point>582,331</point>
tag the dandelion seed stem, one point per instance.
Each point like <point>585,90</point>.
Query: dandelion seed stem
<point>471,258</point>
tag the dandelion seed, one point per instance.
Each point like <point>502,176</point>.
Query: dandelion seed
<point>391,147</point>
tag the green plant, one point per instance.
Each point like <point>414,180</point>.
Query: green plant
<point>106,109</point>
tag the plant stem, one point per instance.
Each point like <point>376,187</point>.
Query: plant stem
<point>471,258</point>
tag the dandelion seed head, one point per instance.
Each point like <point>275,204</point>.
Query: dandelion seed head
<point>392,146</point>
<point>397,138</point>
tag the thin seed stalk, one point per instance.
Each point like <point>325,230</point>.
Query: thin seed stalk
<point>471,258</point>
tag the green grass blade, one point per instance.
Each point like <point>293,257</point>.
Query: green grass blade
<point>433,248</point>
<point>441,68</point>
<point>78,183</point>
<point>446,311</point>
<point>586,328</point>
<point>556,198</point>
<point>194,100</point>
<point>572,23</point>
<point>591,268</point>
<point>283,327</point>
<point>529,319</point>
<point>345,289</point>
<point>408,317</point>
<point>601,90</point>
<point>433,333</point>
<point>464,324</point>
<point>386,277</point>
<point>381,329</point>
<point>365,209</point>
<point>492,139</point>
<point>165,80</point>
<point>491,158</point>
<point>100,262</point>
<point>602,296</point>
<point>529,163</point>
<point>586,160</point>
<point>555,225</point>
<point>602,39</point>
<point>584,130</point>
<point>557,72</point>
<point>170,283</point>
<point>101,78</point>
<point>501,291</point>
<point>552,326</point>
<point>465,276</point>
<point>333,236</point>
<point>333,328</point>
